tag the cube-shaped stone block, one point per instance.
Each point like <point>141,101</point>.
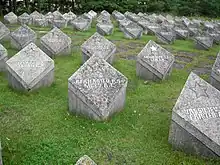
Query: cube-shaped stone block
<point>153,28</point>
<point>98,44</point>
<point>60,23</point>
<point>35,15</point>
<point>70,16</point>
<point>193,31</point>
<point>56,43</point>
<point>49,17</point>
<point>87,16</point>
<point>144,23</point>
<point>81,24</point>
<point>57,15</point>
<point>10,18</point>
<point>181,33</point>
<point>208,25</point>
<point>203,42</point>
<point>166,37</point>
<point>105,13</point>
<point>96,90</point>
<point>154,62</point>
<point>30,69</point>
<point>105,28</point>
<point>85,160</point>
<point>92,13</point>
<point>123,23</point>
<point>133,31</point>
<point>24,18</point>
<point>133,17</point>
<point>22,36</point>
<point>186,21</point>
<point>117,15</point>
<point>42,21</point>
<point>3,57</point>
<point>215,36</point>
<point>195,120</point>
<point>4,32</point>
<point>215,75</point>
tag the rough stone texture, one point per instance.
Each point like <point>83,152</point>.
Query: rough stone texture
<point>103,18</point>
<point>10,18</point>
<point>35,15</point>
<point>30,69</point>
<point>154,62</point>
<point>105,13</point>
<point>143,23</point>
<point>60,23</point>
<point>87,16</point>
<point>193,31</point>
<point>96,90</point>
<point>85,160</point>
<point>1,161</point>
<point>99,45</point>
<point>153,28</point>
<point>208,25</point>
<point>57,15</point>
<point>132,16</point>
<point>22,37</point>
<point>181,33</point>
<point>196,119</point>
<point>203,43</point>
<point>56,43</point>
<point>70,16</point>
<point>215,36</point>
<point>3,57</point>
<point>166,37</point>
<point>4,32</point>
<point>81,23</point>
<point>186,21</point>
<point>92,13</point>
<point>215,75</point>
<point>49,17</point>
<point>24,19</point>
<point>133,31</point>
<point>117,15</point>
<point>42,21</point>
<point>105,28</point>
<point>123,23</point>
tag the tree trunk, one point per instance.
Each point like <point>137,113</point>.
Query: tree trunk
<point>14,6</point>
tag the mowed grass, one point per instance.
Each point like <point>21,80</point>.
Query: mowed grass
<point>36,128</point>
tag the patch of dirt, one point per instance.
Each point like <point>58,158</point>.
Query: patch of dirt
<point>129,57</point>
<point>134,45</point>
<point>185,59</point>
<point>121,48</point>
<point>202,70</point>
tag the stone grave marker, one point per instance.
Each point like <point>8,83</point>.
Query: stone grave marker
<point>49,17</point>
<point>160,19</point>
<point>123,23</point>
<point>214,35</point>
<point>215,75</point>
<point>58,20</point>
<point>144,23</point>
<point>41,21</point>
<point>1,161</point>
<point>56,43</point>
<point>87,16</point>
<point>98,44</point>
<point>85,160</point>
<point>154,62</point>
<point>30,69</point>
<point>208,25</point>
<point>133,17</point>
<point>105,28</point>
<point>166,37</point>
<point>103,18</point>
<point>3,57</point>
<point>35,15</point>
<point>81,24</point>
<point>203,42</point>
<point>193,31</point>
<point>92,13</point>
<point>117,15</point>
<point>57,15</point>
<point>186,21</point>
<point>181,33</point>
<point>153,28</point>
<point>196,119</point>
<point>10,18</point>
<point>24,19</point>
<point>140,14</point>
<point>105,13</point>
<point>133,31</point>
<point>22,36</point>
<point>4,32</point>
<point>70,16</point>
<point>96,90</point>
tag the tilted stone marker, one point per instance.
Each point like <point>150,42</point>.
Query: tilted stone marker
<point>35,15</point>
<point>4,32</point>
<point>154,62</point>
<point>1,161</point>
<point>186,21</point>
<point>56,43</point>
<point>81,24</point>
<point>196,119</point>
<point>105,28</point>
<point>49,17</point>
<point>123,23</point>
<point>96,90</point>
<point>215,36</point>
<point>215,75</point>
<point>85,160</point>
<point>58,20</point>
<point>133,31</point>
<point>3,57</point>
<point>98,44</point>
<point>203,42</point>
<point>153,28</point>
<point>24,18</point>
<point>166,37</point>
<point>30,69</point>
<point>70,16</point>
<point>117,15</point>
<point>181,33</point>
<point>143,23</point>
<point>92,13</point>
<point>10,18</point>
<point>22,37</point>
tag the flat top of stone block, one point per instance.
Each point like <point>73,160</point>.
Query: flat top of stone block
<point>99,82</point>
<point>199,105</point>
<point>216,66</point>
<point>98,44</point>
<point>11,14</point>
<point>85,160</point>
<point>56,40</point>
<point>36,14</point>
<point>29,64</point>
<point>157,57</point>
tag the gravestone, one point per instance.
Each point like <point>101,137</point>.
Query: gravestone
<point>186,21</point>
<point>24,19</point>
<point>30,69</point>
<point>203,42</point>
<point>58,20</point>
<point>35,15</point>
<point>215,36</point>
<point>144,23</point>
<point>123,23</point>
<point>133,31</point>
<point>49,17</point>
<point>98,44</point>
<point>57,15</point>
<point>10,18</point>
<point>56,43</point>
<point>133,17</point>
<point>87,16</point>
<point>105,13</point>
<point>41,21</point>
<point>1,161</point>
<point>140,14</point>
<point>85,160</point>
<point>117,15</point>
<point>154,62</point>
<point>153,28</point>
<point>92,13</point>
<point>103,18</point>
<point>166,37</point>
<point>105,28</point>
<point>69,17</point>
<point>208,25</point>
<point>193,31</point>
<point>215,75</point>
<point>81,24</point>
<point>4,32</point>
<point>181,33</point>
<point>196,119</point>
<point>160,19</point>
<point>22,36</point>
<point>3,57</point>
<point>97,90</point>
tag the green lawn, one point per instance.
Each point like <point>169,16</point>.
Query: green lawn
<point>36,128</point>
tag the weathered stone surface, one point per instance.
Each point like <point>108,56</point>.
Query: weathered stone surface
<point>60,23</point>
<point>98,44</point>
<point>4,32</point>
<point>103,18</point>
<point>144,23</point>
<point>24,19</point>
<point>123,23</point>
<point>140,14</point>
<point>160,19</point>
<point>181,33</point>
<point>117,15</point>
<point>215,75</point>
<point>56,43</point>
<point>81,23</point>
<point>49,17</point>
<point>105,13</point>
<point>105,28</point>
<point>92,13</point>
<point>70,16</point>
<point>96,89</point>
<point>3,57</point>
<point>133,17</point>
<point>186,21</point>
<point>166,37</point>
<point>208,25</point>
<point>193,31</point>
<point>215,36</point>
<point>196,119</point>
<point>153,28</point>
<point>87,16</point>
<point>35,15</point>
<point>154,62</point>
<point>203,42</point>
<point>22,37</point>
<point>41,21</point>
<point>1,161</point>
<point>133,31</point>
<point>57,15</point>
<point>85,160</point>
<point>30,69</point>
<point>10,18</point>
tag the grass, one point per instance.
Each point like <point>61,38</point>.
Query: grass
<point>36,128</point>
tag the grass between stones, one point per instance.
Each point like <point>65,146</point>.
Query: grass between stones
<point>36,128</point>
